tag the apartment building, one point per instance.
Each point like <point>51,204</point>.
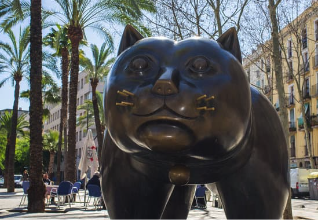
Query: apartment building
<point>299,53</point>
<point>84,92</point>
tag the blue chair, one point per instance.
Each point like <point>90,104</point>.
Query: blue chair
<point>95,193</point>
<point>200,195</point>
<point>76,188</point>
<point>64,190</point>
<point>25,186</point>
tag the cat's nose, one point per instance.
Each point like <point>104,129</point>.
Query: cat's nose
<point>167,84</point>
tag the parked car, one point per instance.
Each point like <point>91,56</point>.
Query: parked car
<point>1,181</point>
<point>17,181</point>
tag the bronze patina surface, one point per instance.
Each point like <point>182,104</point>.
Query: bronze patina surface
<point>183,113</point>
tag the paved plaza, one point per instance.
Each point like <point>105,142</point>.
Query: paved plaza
<point>9,202</point>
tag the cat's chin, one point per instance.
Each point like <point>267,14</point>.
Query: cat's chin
<point>165,136</point>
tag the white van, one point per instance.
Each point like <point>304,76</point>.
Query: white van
<point>299,181</point>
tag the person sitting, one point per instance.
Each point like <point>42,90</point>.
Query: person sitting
<point>94,180</point>
<point>46,179</point>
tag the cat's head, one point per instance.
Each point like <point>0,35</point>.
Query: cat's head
<point>188,98</point>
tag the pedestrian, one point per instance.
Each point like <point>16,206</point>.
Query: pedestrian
<point>94,180</point>
<point>25,176</point>
<point>46,179</point>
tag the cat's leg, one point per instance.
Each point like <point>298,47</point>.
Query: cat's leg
<point>180,202</point>
<point>255,192</point>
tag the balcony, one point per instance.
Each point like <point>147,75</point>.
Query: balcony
<point>314,90</point>
<point>314,120</point>
<point>292,126</point>
<point>304,68</point>
<point>289,77</point>
<point>315,61</point>
<point>291,101</point>
<point>301,123</point>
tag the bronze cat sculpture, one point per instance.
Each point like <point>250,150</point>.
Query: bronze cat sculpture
<point>183,113</point>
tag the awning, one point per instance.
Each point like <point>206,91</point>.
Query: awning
<point>300,118</point>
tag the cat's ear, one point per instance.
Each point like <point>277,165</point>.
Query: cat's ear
<point>129,38</point>
<point>229,41</point>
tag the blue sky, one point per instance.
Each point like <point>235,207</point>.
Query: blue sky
<point>7,91</point>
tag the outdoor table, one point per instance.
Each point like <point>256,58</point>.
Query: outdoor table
<point>48,191</point>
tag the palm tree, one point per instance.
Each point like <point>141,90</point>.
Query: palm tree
<point>13,12</point>
<point>50,143</point>
<point>98,69</point>
<point>36,192</point>
<point>78,16</point>
<point>6,125</point>
<point>15,57</point>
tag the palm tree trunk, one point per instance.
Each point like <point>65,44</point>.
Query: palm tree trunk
<point>65,151</point>
<point>65,63</point>
<point>94,83</point>
<point>288,214</point>
<point>36,192</point>
<point>51,163</point>
<point>5,184</point>
<point>13,134</point>
<point>76,35</point>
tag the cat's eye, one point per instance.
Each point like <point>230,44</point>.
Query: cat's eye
<point>200,64</point>
<point>139,63</point>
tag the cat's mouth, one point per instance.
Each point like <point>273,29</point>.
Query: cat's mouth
<point>165,109</point>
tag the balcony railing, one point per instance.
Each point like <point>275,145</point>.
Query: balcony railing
<point>289,76</point>
<point>293,151</point>
<point>292,126</point>
<point>291,101</point>
<point>315,61</point>
<point>314,120</point>
<point>314,90</point>
<point>301,125</point>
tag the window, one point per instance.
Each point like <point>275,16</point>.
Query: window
<point>291,96</point>
<point>257,74</point>
<point>305,61</point>
<point>304,38</point>
<point>306,88</point>
<point>316,56</point>
<point>81,100</point>
<point>87,96</point>
<point>78,85</point>
<point>82,84</point>
<point>289,49</point>
<point>292,146</point>
<point>76,138</point>
<point>77,102</point>
<point>80,136</point>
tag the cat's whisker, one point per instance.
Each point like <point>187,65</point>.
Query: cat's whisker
<point>207,99</point>
<point>201,97</point>
<point>202,108</point>
<point>122,93</point>
<point>128,93</point>
<point>124,103</point>
<point>210,109</point>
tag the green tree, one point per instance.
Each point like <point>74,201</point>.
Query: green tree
<point>15,57</point>
<point>22,154</point>
<point>97,70</point>
<point>78,16</point>
<point>50,143</point>
<point>37,189</point>
<point>6,127</point>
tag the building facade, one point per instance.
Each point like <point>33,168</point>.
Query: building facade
<point>299,53</point>
<point>84,92</point>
